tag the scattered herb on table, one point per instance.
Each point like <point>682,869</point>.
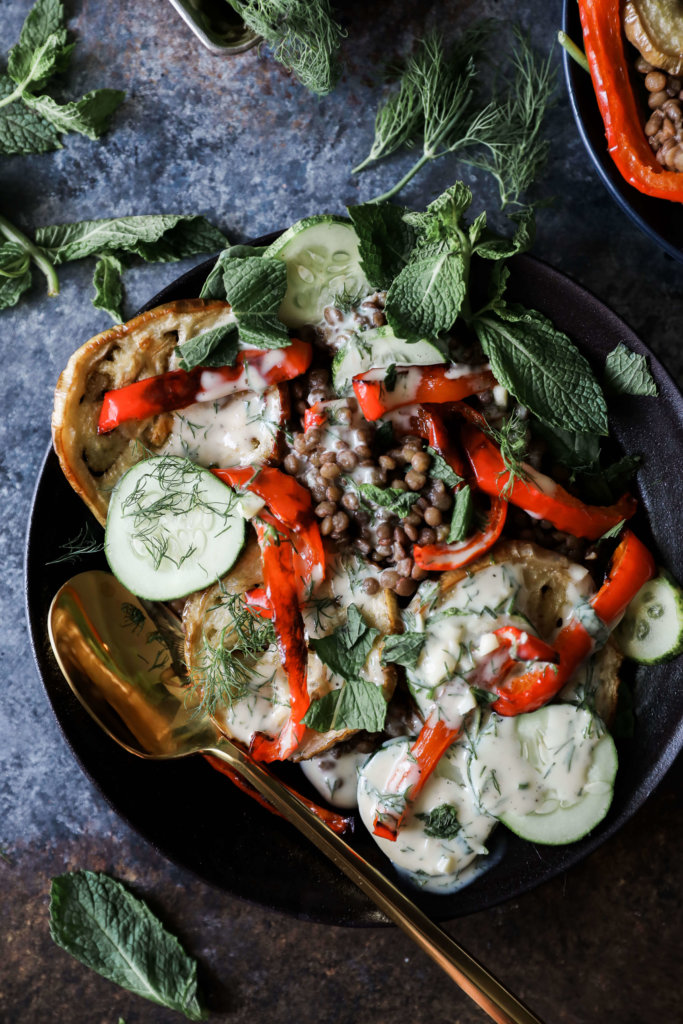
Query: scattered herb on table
<point>437,104</point>
<point>98,921</point>
<point>30,120</point>
<point>302,34</point>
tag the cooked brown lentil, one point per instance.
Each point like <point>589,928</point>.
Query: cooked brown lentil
<point>664,127</point>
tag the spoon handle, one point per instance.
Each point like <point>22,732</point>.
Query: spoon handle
<point>481,986</point>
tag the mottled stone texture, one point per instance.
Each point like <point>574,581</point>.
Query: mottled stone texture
<point>240,141</point>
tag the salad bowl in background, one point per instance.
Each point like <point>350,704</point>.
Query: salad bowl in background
<point>193,815</point>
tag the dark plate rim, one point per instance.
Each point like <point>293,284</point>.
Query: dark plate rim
<point>353,910</point>
<point>640,208</point>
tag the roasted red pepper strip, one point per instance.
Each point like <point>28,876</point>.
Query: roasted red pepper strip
<point>416,384</point>
<point>279,577</point>
<point>624,125</point>
<point>291,505</point>
<point>337,822</point>
<point>257,601</point>
<point>440,557</point>
<point>314,417</point>
<point>631,567</point>
<point>179,388</point>
<point>537,494</point>
<point>436,737</point>
<point>429,426</point>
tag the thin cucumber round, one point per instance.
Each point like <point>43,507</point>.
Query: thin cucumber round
<point>548,776</point>
<point>172,528</point>
<point>323,262</point>
<point>378,347</point>
<point>652,628</point>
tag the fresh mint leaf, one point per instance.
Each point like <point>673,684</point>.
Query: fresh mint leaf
<point>95,919</point>
<point>32,67</point>
<point>426,297</point>
<point>441,822</point>
<point>357,705</point>
<point>23,130</point>
<point>152,237</point>
<point>89,116</point>
<point>347,649</point>
<point>394,500</point>
<point>216,347</point>
<point>403,649</point>
<point>627,373</point>
<point>440,470</point>
<point>255,287</point>
<point>108,286</point>
<point>45,21</point>
<point>608,483</point>
<point>12,288</point>
<point>463,514</point>
<point>541,367</point>
<point>573,450</point>
<point>213,286</point>
<point>385,241</point>
<point>496,248</point>
<point>14,260</point>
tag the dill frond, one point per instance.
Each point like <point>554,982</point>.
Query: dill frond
<point>302,34</point>
<point>84,543</point>
<point>513,441</point>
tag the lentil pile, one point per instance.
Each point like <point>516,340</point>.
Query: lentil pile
<point>664,128</point>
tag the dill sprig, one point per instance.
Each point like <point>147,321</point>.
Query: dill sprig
<point>226,669</point>
<point>513,441</point>
<point>84,543</point>
<point>302,34</point>
<point>438,102</point>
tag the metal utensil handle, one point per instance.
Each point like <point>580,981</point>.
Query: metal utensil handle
<point>485,990</point>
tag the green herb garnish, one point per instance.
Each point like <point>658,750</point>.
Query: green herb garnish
<point>463,514</point>
<point>403,649</point>
<point>627,373</point>
<point>441,822</point>
<point>99,922</point>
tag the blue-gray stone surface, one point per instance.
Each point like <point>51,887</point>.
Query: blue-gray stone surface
<point>239,140</point>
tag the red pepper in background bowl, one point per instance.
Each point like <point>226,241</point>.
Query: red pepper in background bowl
<point>624,127</point>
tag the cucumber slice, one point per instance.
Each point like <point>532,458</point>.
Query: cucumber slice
<point>652,628</point>
<point>548,776</point>
<point>378,347</point>
<point>323,261</point>
<point>172,528</point>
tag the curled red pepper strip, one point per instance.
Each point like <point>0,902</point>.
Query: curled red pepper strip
<point>337,822</point>
<point>416,384</point>
<point>440,557</point>
<point>279,577</point>
<point>624,126</point>
<point>537,494</point>
<point>179,388</point>
<point>631,567</point>
<point>428,425</point>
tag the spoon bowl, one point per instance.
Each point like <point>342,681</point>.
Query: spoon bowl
<point>119,655</point>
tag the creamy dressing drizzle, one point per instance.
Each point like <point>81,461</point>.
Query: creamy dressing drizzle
<point>336,778</point>
<point>239,430</point>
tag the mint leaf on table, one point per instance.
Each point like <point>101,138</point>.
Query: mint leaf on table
<point>31,122</point>
<point>12,288</point>
<point>463,514</point>
<point>95,919</point>
<point>542,368</point>
<point>403,649</point>
<point>627,373</point>
<point>108,286</point>
<point>216,347</point>
<point>385,241</point>
<point>440,470</point>
<point>155,237</point>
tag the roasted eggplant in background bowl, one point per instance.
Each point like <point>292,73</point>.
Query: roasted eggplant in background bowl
<point>421,646</point>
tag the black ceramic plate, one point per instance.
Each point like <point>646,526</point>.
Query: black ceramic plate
<point>660,219</point>
<point>197,818</point>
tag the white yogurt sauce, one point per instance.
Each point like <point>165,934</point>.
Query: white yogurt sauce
<point>239,430</point>
<point>336,778</point>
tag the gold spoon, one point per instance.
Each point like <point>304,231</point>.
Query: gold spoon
<point>115,659</point>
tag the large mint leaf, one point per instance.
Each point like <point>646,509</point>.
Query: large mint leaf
<point>31,68</point>
<point>490,247</point>
<point>216,347</point>
<point>385,240</point>
<point>573,450</point>
<point>108,286</point>
<point>347,649</point>
<point>12,288</point>
<point>96,920</point>
<point>159,237</point>
<point>213,286</point>
<point>426,297</point>
<point>403,649</point>
<point>23,130</point>
<point>255,287</point>
<point>89,116</point>
<point>542,368</point>
<point>44,19</point>
<point>627,373</point>
<point>357,705</point>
